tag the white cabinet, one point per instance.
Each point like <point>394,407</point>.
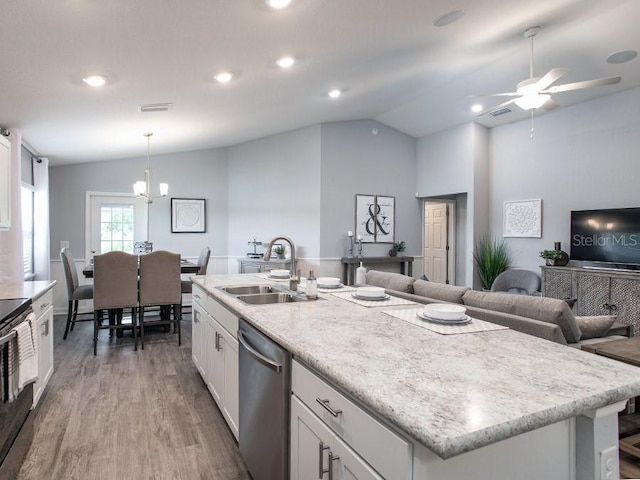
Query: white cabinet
<point>215,353</point>
<point>316,452</point>
<point>43,309</point>
<point>366,447</point>
<point>5,183</point>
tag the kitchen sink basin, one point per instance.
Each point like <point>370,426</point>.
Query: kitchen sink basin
<point>248,289</point>
<point>268,298</point>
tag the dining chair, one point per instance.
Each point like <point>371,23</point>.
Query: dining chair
<point>75,291</point>
<point>160,286</point>
<point>203,262</point>
<point>115,287</point>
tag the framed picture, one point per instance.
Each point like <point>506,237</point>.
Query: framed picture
<point>523,218</point>
<point>375,218</point>
<point>188,215</point>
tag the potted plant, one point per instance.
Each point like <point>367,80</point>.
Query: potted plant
<point>491,258</point>
<point>551,256</point>
<point>398,246</point>
<point>279,251</point>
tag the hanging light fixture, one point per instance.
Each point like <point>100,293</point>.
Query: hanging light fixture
<point>143,188</point>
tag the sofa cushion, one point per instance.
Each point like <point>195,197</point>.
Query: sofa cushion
<point>595,326</point>
<point>545,309</point>
<point>439,291</point>
<point>390,281</point>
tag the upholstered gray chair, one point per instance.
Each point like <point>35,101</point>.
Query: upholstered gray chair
<point>203,262</point>
<point>160,286</point>
<point>75,291</point>
<point>115,287</point>
<point>518,281</point>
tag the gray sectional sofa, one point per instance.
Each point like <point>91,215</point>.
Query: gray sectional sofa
<point>548,318</point>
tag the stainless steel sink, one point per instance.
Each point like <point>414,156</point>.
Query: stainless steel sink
<point>268,298</point>
<point>248,289</point>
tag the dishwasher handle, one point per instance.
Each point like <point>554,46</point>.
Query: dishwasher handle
<point>257,355</point>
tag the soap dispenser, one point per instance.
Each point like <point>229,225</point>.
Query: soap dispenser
<point>312,286</point>
<point>361,275</point>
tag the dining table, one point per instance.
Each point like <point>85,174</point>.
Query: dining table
<point>185,267</point>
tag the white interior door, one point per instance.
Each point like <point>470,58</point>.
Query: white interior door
<point>98,205</point>
<point>438,240</point>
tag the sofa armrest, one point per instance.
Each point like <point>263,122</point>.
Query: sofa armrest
<point>619,328</point>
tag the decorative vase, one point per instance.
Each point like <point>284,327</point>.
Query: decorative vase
<point>562,261</point>
<point>550,262</point>
<point>393,252</point>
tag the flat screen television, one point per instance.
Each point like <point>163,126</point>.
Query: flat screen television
<point>611,236</point>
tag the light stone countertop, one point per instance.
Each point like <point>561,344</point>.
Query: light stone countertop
<point>32,290</point>
<point>452,393</point>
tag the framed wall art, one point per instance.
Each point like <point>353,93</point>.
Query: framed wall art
<point>375,218</point>
<point>188,215</point>
<point>523,218</point>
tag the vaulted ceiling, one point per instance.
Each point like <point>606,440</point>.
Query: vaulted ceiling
<point>386,56</point>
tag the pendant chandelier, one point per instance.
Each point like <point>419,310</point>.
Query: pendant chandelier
<point>143,188</point>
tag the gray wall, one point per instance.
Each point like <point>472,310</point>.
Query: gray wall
<point>200,174</point>
<point>355,161</point>
<point>581,157</point>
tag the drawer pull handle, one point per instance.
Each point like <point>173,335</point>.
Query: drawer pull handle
<point>332,458</point>
<point>218,345</point>
<point>321,471</point>
<point>614,308</point>
<point>325,405</point>
<point>44,306</point>
<point>195,295</point>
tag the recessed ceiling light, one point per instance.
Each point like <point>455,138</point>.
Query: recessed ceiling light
<point>223,77</point>
<point>95,80</point>
<point>622,56</point>
<point>286,62</point>
<point>476,108</point>
<point>335,93</point>
<point>278,3</point>
<point>448,18</point>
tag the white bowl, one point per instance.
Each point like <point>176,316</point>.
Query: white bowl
<point>279,273</point>
<point>370,292</point>
<point>444,311</point>
<point>329,281</point>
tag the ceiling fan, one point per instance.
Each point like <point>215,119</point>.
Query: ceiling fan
<point>535,92</point>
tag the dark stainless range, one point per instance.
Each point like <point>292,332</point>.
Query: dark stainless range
<point>13,413</point>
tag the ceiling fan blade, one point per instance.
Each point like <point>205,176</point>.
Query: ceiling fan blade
<point>504,104</point>
<point>551,77</point>
<point>506,94</point>
<point>598,82</point>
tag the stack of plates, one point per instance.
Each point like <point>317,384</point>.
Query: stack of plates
<point>279,273</point>
<point>370,293</point>
<point>329,282</point>
<point>445,313</point>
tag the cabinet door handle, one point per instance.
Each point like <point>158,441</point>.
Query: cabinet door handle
<point>217,341</point>
<point>325,405</point>
<point>614,308</point>
<point>46,328</point>
<point>44,306</point>
<point>332,458</point>
<point>606,306</point>
<point>321,470</point>
<point>195,295</point>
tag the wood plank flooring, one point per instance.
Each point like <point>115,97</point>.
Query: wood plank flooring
<point>129,415</point>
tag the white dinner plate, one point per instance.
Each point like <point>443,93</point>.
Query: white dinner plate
<point>330,286</point>
<point>359,297</point>
<point>461,321</point>
<point>281,277</point>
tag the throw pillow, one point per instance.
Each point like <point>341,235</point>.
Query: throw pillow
<point>595,326</point>
<point>439,291</point>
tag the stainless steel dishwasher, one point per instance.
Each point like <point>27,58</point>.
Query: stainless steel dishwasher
<point>265,396</point>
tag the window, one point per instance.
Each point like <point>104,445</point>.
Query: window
<point>27,230</point>
<point>117,228</point>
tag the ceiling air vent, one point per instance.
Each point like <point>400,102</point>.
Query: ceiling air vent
<point>502,111</point>
<point>155,107</point>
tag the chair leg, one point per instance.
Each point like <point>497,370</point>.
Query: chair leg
<point>95,333</point>
<point>134,326</point>
<point>75,314</point>
<point>178,315</point>
<point>69,314</point>
<point>141,314</point>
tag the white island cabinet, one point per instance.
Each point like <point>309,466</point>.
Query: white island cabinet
<point>215,353</point>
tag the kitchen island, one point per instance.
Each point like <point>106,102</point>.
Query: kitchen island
<point>500,402</point>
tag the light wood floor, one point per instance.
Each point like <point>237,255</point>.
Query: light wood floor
<point>129,415</point>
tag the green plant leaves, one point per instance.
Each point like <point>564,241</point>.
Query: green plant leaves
<point>491,258</point>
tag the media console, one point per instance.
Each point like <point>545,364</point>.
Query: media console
<point>599,291</point>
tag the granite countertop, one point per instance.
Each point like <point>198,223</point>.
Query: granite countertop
<point>32,290</point>
<point>452,393</point>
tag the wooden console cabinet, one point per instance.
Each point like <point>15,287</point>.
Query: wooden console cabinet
<point>598,291</point>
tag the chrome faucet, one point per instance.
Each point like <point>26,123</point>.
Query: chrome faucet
<point>293,278</point>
